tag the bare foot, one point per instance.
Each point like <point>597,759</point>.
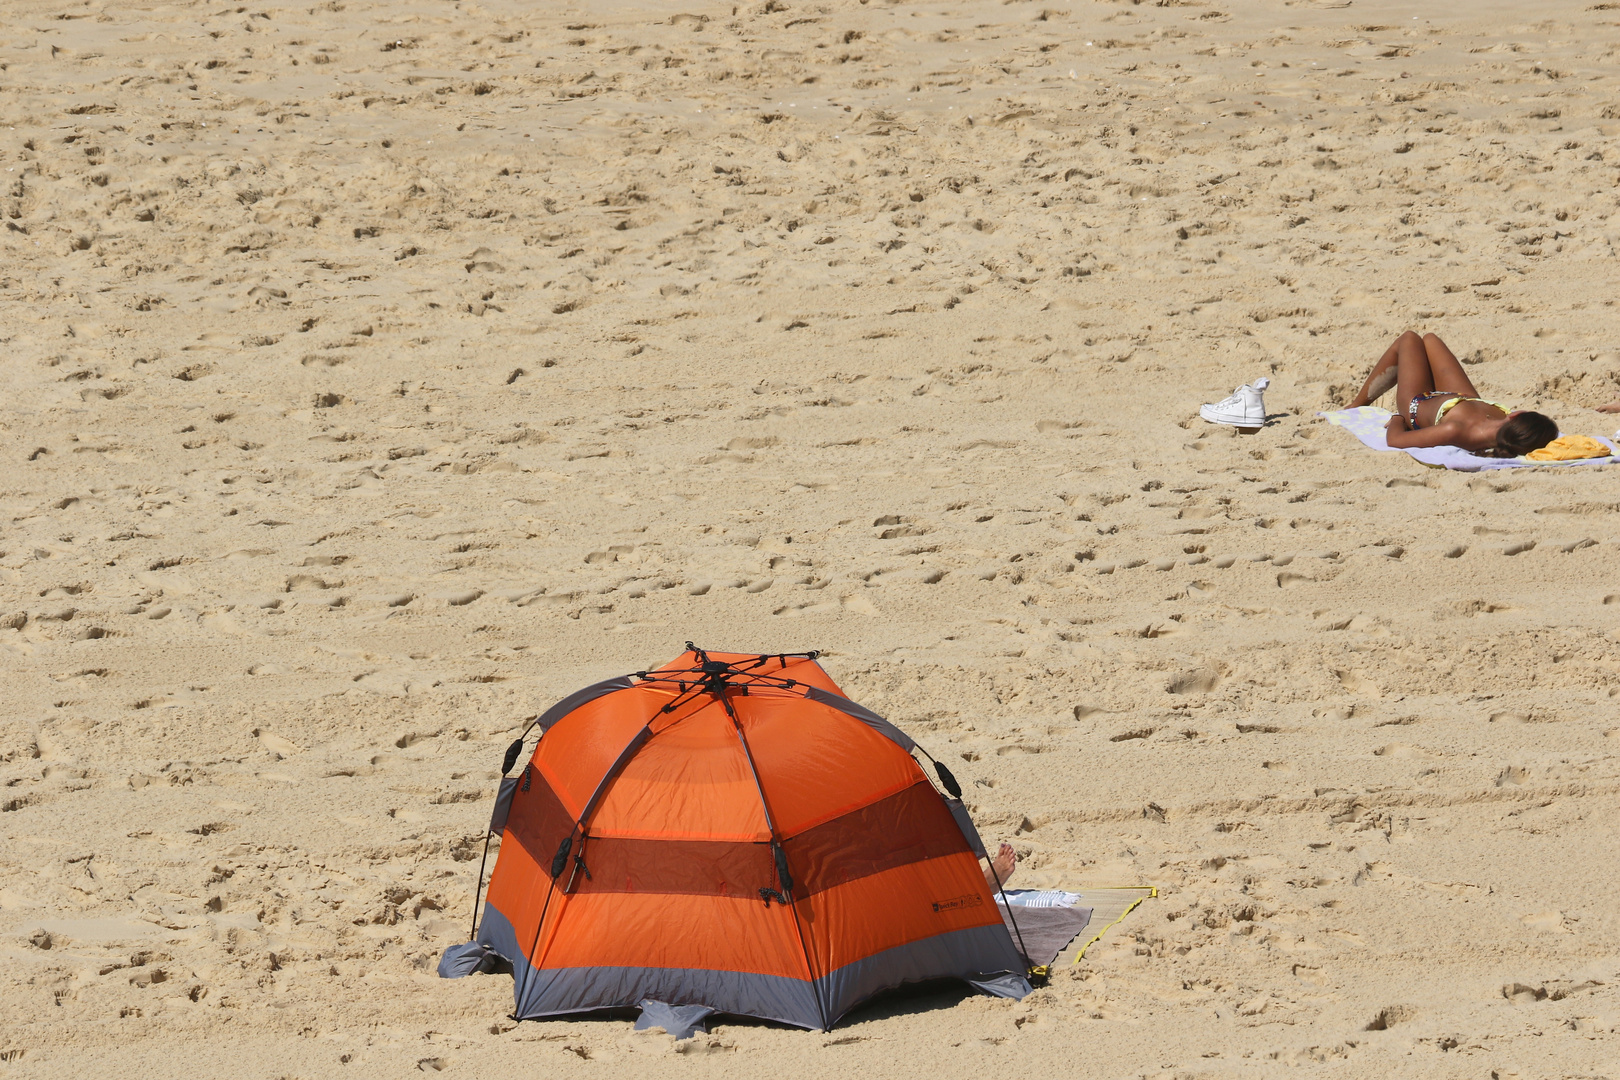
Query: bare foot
<point>1001,867</point>
<point>1613,406</point>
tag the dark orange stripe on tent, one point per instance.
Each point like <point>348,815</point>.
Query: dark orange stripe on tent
<point>841,926</point>
<point>538,820</point>
<point>686,867</point>
<point>910,826</point>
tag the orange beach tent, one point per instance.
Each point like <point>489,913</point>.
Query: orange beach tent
<point>730,834</point>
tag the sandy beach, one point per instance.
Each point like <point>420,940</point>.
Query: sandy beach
<point>374,375</point>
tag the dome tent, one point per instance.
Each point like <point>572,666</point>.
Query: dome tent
<point>730,834</point>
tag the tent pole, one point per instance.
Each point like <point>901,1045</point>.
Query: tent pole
<point>777,850</point>
<point>619,763</point>
<point>1022,948</point>
<point>478,890</point>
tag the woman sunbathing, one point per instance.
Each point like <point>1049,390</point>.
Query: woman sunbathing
<point>1438,405</point>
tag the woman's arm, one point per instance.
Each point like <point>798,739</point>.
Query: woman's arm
<point>1399,438</point>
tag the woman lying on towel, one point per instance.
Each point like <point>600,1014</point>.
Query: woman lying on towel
<point>1438,405</point>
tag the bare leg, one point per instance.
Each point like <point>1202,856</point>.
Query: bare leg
<point>1380,382</point>
<point>1447,371</point>
<point>1002,864</point>
<point>1415,376</point>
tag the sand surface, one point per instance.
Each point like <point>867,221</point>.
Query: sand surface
<point>376,374</point>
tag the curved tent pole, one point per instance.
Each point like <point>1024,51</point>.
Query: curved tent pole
<point>560,859</point>
<point>784,879</point>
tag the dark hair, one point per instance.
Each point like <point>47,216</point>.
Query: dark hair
<point>1523,433</point>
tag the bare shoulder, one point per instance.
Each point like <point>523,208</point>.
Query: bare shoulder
<point>1477,434</point>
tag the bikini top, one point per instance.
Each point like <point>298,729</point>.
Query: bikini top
<point>1445,406</point>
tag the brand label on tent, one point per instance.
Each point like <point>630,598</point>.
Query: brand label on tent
<point>956,903</point>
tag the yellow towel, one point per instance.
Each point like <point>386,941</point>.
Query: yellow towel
<point>1569,448</point>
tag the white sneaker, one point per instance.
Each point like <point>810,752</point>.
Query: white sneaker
<point>1246,408</point>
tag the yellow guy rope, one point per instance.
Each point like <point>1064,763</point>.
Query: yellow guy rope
<point>1150,891</point>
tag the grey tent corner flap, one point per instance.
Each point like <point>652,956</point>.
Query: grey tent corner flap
<point>681,1021</point>
<point>471,956</point>
<point>1005,985</point>
<point>503,804</point>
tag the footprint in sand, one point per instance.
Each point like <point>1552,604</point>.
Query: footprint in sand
<point>220,622</point>
<point>809,607</point>
<point>1357,683</point>
<point>278,746</point>
<point>1390,1016</point>
<point>1197,681</point>
<point>1546,922</point>
<point>1133,734</point>
<point>859,604</point>
<point>309,581</point>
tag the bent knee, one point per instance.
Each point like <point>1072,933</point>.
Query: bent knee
<point>1413,335</point>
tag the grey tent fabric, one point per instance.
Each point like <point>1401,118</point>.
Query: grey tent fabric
<point>863,714</point>
<point>503,804</point>
<point>681,1021</point>
<point>471,956</point>
<point>582,697</point>
<point>964,821</point>
<point>980,955</point>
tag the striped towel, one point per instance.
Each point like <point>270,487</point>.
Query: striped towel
<point>1041,898</point>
